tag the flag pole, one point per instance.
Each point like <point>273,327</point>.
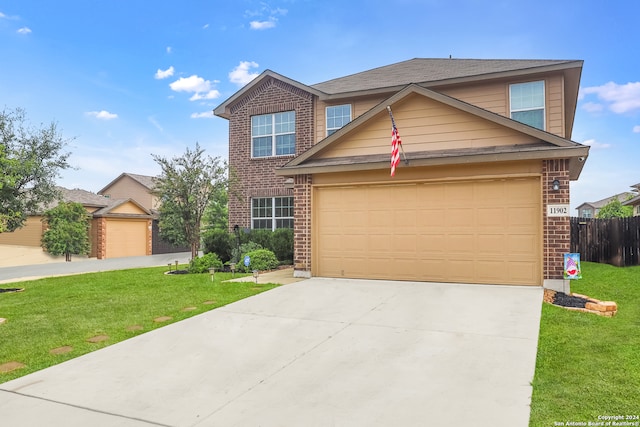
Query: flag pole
<point>393,122</point>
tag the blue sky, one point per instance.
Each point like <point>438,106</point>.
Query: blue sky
<point>127,78</point>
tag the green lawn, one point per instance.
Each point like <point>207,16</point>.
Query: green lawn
<point>589,366</point>
<point>67,311</point>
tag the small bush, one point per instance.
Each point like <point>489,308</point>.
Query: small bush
<point>238,254</point>
<point>204,263</point>
<point>219,242</point>
<point>261,237</point>
<point>261,259</point>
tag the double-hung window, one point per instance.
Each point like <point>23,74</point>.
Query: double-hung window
<point>273,134</point>
<point>527,103</point>
<point>272,212</point>
<point>337,116</point>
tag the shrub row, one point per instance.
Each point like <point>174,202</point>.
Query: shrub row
<point>232,247</point>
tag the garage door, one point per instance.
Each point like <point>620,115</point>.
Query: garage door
<point>480,231</point>
<point>126,238</point>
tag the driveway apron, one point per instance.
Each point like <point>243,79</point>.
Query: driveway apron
<point>320,352</point>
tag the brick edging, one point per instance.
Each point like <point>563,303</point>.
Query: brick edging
<point>601,308</point>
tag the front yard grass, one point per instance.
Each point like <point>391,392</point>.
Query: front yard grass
<point>67,311</point>
<point>589,366</point>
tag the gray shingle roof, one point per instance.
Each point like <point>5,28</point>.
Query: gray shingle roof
<point>424,70</point>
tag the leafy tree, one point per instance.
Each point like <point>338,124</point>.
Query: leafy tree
<point>68,230</point>
<point>30,161</point>
<point>186,186</point>
<point>614,209</point>
<point>216,216</point>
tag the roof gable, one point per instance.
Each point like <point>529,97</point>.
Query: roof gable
<point>143,180</point>
<point>124,208</point>
<point>223,110</point>
<point>533,141</point>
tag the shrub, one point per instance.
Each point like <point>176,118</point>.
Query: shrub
<point>204,263</point>
<point>282,245</point>
<point>238,254</point>
<point>261,259</point>
<point>219,242</point>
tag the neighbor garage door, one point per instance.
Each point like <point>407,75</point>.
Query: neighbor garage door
<point>480,231</point>
<point>126,237</point>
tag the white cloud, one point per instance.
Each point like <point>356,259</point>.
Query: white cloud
<point>636,129</point>
<point>212,94</point>
<point>595,144</point>
<point>619,98</point>
<point>205,26</point>
<point>201,88</point>
<point>2,15</point>
<point>592,107</point>
<point>154,122</point>
<point>263,25</point>
<point>191,84</point>
<point>24,30</point>
<point>163,74</point>
<point>241,75</point>
<point>204,115</point>
<point>102,115</point>
<point>169,49</point>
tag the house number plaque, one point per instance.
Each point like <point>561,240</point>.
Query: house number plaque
<point>557,210</point>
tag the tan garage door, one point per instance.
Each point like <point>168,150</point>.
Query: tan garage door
<point>481,231</point>
<point>126,238</point>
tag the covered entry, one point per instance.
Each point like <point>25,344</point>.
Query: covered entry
<point>469,231</point>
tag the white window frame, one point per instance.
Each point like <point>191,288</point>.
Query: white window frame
<point>273,218</point>
<point>332,129</point>
<point>273,134</point>
<point>536,108</point>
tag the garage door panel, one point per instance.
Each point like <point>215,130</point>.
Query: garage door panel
<point>483,231</point>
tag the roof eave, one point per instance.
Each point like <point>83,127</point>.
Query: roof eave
<point>576,155</point>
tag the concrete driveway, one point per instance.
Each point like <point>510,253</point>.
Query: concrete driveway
<point>320,352</point>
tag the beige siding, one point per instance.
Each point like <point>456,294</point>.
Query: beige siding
<point>359,106</point>
<point>29,235</point>
<point>128,188</point>
<point>425,125</point>
<point>493,96</point>
<point>469,231</point>
<point>127,208</point>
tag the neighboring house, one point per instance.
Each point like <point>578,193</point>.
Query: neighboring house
<point>132,186</point>
<point>635,200</point>
<point>485,142</point>
<point>119,227</point>
<point>591,209</point>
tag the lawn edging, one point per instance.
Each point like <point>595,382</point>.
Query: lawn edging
<point>601,308</point>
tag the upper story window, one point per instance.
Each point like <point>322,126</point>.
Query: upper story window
<point>337,116</point>
<point>585,213</point>
<point>273,134</point>
<point>527,103</point>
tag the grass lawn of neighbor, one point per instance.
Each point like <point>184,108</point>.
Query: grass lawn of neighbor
<point>59,318</point>
<point>588,366</point>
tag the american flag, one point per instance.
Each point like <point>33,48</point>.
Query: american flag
<point>395,148</point>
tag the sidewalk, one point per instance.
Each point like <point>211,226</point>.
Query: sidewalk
<point>83,265</point>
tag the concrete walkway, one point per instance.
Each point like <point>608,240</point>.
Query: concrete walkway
<point>320,352</point>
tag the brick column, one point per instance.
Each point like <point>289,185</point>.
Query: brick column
<point>557,230</point>
<point>101,247</point>
<point>302,226</point>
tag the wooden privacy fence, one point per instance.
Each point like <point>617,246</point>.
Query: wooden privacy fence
<point>613,241</point>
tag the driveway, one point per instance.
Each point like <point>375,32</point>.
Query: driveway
<point>320,352</point>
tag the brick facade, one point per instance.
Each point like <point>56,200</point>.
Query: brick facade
<point>256,177</point>
<point>302,226</point>
<point>556,230</point>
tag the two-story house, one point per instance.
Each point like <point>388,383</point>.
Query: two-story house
<point>481,194</point>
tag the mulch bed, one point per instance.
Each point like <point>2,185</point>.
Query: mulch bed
<point>565,300</point>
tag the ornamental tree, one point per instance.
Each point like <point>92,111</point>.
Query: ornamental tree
<point>67,230</point>
<point>30,161</point>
